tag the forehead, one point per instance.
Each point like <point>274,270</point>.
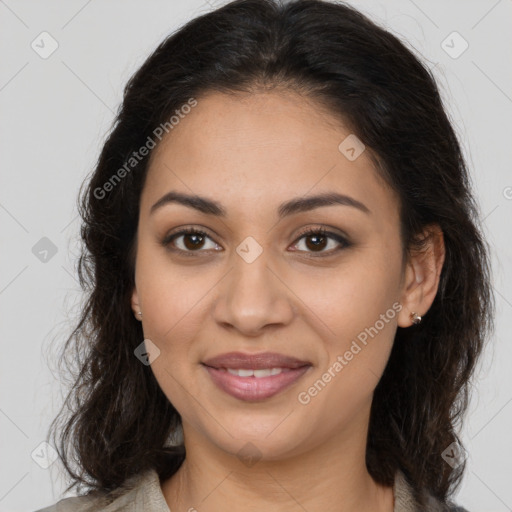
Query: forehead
<point>261,149</point>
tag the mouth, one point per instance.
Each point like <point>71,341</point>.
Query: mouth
<point>255,377</point>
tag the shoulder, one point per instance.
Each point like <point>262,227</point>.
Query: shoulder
<point>406,500</point>
<point>76,504</point>
<point>140,493</point>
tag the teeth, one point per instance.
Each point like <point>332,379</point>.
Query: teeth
<point>242,373</point>
<point>266,372</point>
<point>263,373</point>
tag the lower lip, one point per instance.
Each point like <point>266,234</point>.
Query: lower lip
<point>252,389</point>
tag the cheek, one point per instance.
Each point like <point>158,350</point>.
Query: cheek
<point>170,297</point>
<point>357,309</point>
<point>173,305</point>
<point>360,310</point>
<point>353,296</point>
<point>171,311</point>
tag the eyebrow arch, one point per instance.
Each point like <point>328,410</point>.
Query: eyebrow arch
<point>296,205</point>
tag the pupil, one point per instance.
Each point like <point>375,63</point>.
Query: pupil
<point>197,240</point>
<point>317,244</point>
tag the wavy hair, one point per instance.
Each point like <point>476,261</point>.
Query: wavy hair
<point>116,421</point>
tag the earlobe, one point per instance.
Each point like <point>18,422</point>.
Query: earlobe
<point>422,277</point>
<point>136,305</point>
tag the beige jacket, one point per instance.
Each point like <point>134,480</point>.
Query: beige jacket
<point>143,493</point>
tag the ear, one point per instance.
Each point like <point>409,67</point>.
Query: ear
<point>422,274</point>
<point>135,304</point>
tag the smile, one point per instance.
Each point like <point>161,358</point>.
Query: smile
<point>254,384</point>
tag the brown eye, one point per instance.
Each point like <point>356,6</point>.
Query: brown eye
<point>193,240</point>
<point>190,240</point>
<point>317,239</point>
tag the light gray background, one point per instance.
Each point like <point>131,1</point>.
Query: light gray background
<point>55,113</point>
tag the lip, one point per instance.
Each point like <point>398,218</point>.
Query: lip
<point>254,389</point>
<point>239,360</point>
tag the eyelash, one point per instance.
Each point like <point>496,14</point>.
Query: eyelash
<point>166,242</point>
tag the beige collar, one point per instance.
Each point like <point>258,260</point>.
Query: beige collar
<point>143,493</point>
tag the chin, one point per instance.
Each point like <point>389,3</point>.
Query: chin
<point>268,440</point>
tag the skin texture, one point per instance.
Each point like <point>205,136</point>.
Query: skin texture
<point>251,152</point>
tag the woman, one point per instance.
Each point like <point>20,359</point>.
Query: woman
<point>288,285</point>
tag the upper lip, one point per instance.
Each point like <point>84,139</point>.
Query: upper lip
<point>239,360</point>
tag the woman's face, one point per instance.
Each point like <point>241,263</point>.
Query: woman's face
<point>255,284</point>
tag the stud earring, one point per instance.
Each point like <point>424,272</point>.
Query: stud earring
<point>416,319</point>
<point>140,313</point>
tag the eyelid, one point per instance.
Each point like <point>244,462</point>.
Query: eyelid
<point>185,230</point>
<point>341,239</point>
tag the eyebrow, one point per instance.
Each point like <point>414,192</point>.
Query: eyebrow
<point>291,207</point>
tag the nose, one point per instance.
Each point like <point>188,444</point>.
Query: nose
<point>253,296</point>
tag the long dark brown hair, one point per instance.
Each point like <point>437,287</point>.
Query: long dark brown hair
<point>116,421</point>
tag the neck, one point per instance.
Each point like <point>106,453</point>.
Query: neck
<point>331,477</point>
